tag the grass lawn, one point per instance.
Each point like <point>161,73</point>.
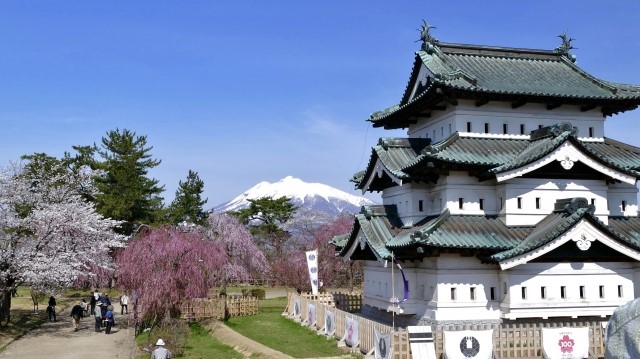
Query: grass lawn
<point>270,328</point>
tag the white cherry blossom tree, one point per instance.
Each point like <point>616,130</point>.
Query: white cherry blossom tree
<point>49,233</point>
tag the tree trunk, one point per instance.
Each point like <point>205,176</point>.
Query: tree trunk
<point>5,301</point>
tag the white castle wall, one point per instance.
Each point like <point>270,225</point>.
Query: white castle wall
<point>451,287</point>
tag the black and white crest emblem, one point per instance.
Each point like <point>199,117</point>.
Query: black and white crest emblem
<point>382,347</point>
<point>469,347</point>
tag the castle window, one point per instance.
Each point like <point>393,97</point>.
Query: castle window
<point>434,134</point>
<point>449,128</point>
<point>590,131</point>
<point>601,291</point>
<point>472,293</point>
<point>441,131</point>
<point>519,202</point>
<point>481,202</point>
<point>524,292</point>
<point>460,203</point>
<point>420,207</point>
<point>522,129</point>
<point>504,285</point>
<point>593,201</point>
<point>619,291</point>
<point>563,292</point>
<point>453,293</point>
<point>582,292</point>
<point>537,202</point>
<point>500,204</point>
<point>505,128</point>
<point>543,292</point>
<point>492,293</point>
<point>468,126</point>
<point>486,127</point>
<point>624,206</point>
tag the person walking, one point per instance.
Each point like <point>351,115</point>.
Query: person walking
<point>109,318</point>
<point>161,352</point>
<point>97,314</point>
<point>51,309</point>
<point>76,314</point>
<point>92,301</point>
<point>124,304</point>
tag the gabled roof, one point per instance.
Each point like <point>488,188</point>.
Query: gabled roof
<point>377,224</point>
<point>490,156</point>
<point>486,235</point>
<point>503,74</point>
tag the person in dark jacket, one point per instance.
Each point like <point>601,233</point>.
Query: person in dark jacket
<point>76,314</point>
<point>51,309</point>
<point>109,318</point>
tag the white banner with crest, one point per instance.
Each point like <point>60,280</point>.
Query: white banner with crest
<point>329,322</point>
<point>383,345</point>
<point>464,344</point>
<point>566,343</point>
<point>351,332</point>
<point>312,263</point>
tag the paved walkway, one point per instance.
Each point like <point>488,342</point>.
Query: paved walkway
<point>58,341</point>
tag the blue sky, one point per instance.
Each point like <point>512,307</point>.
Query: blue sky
<point>246,91</point>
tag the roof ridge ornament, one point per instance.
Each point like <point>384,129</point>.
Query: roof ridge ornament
<point>566,46</point>
<point>427,40</point>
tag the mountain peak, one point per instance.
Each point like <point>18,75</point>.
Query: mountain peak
<point>314,196</point>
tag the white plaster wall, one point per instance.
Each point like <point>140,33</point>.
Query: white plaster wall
<point>548,192</point>
<point>495,114</point>
<point>623,192</point>
<point>605,286</point>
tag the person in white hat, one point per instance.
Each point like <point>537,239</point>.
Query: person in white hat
<point>161,352</point>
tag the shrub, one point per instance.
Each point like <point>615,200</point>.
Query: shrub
<point>173,331</point>
<point>258,293</point>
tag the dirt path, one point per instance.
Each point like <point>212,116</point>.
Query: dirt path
<point>58,341</point>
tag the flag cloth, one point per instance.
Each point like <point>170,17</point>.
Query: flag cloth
<point>312,263</point>
<point>566,343</point>
<point>351,332</point>
<point>329,323</point>
<point>311,314</point>
<point>296,307</point>
<point>476,344</point>
<point>383,345</point>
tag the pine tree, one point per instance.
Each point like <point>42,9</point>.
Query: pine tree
<point>126,193</point>
<point>188,203</point>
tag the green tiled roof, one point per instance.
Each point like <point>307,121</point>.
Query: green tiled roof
<point>464,232</point>
<point>340,241</point>
<point>378,224</point>
<point>505,74</point>
<point>384,233</point>
<point>494,154</point>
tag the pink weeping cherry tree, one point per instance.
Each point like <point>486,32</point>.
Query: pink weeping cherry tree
<point>162,267</point>
<point>244,260</point>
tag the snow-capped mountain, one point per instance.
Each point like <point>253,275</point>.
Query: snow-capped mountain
<point>312,196</point>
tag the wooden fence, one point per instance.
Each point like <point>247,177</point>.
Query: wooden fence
<point>219,308</point>
<point>367,328</point>
<point>510,340</point>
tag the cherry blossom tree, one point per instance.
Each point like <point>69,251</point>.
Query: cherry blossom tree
<point>162,267</point>
<point>245,260</point>
<point>49,233</point>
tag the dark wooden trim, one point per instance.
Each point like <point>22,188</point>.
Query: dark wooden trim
<point>552,106</point>
<point>518,104</point>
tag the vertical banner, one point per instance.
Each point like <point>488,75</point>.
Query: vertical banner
<point>566,343</point>
<point>311,314</point>
<point>296,307</point>
<point>329,322</point>
<point>312,263</point>
<point>351,332</point>
<point>477,344</point>
<point>383,345</point>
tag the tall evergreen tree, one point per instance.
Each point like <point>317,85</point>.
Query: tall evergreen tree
<point>126,193</point>
<point>188,202</point>
<point>265,217</point>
